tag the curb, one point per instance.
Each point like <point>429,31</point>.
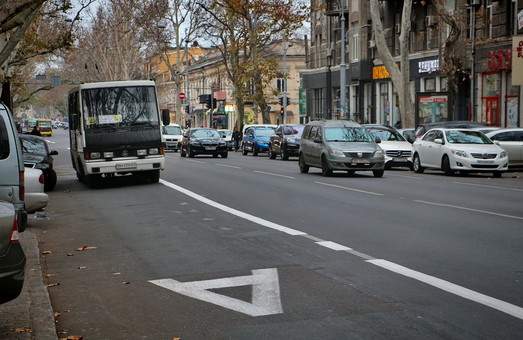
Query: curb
<point>40,310</point>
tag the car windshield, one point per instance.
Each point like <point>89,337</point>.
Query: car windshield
<point>467,137</point>
<point>33,146</point>
<point>264,132</point>
<point>205,133</point>
<point>387,135</point>
<point>293,130</point>
<point>172,130</point>
<point>225,133</point>
<point>119,107</point>
<point>348,134</point>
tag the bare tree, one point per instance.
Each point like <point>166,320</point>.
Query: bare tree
<point>400,75</point>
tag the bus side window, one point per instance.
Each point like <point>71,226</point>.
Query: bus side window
<point>74,116</point>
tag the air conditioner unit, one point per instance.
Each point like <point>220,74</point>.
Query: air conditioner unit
<point>372,43</point>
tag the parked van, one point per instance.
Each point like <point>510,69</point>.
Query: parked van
<point>11,166</point>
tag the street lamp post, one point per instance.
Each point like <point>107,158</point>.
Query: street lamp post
<point>473,5</point>
<point>343,65</point>
<point>187,89</point>
<point>285,78</point>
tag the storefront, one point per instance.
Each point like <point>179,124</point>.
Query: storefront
<point>386,111</point>
<point>498,101</point>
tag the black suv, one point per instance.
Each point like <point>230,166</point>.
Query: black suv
<point>203,141</point>
<point>286,141</point>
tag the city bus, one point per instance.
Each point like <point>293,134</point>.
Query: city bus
<point>44,127</point>
<point>115,129</point>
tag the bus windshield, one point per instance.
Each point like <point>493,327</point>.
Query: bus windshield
<point>119,107</point>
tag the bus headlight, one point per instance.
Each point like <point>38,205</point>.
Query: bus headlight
<point>108,154</point>
<point>141,152</point>
<point>95,155</point>
<point>153,151</point>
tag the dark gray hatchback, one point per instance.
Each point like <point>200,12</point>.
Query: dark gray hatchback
<point>340,145</point>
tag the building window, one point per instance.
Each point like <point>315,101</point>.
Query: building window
<point>430,84</point>
<point>444,84</point>
<point>355,48</point>
<point>281,85</point>
<point>355,5</point>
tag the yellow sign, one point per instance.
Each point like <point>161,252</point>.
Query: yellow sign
<point>380,72</point>
<point>517,60</point>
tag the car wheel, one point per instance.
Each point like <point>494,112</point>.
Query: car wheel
<point>190,152</point>
<point>387,166</point>
<point>304,168</point>
<point>244,151</point>
<point>93,181</point>
<point>417,165</point>
<point>351,172</point>
<point>255,150</point>
<point>497,174</point>
<point>378,173</point>
<point>225,155</point>
<point>445,166</point>
<point>284,154</point>
<point>326,171</point>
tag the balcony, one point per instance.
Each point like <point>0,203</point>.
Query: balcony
<point>334,8</point>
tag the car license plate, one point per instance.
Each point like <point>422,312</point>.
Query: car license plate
<point>359,161</point>
<point>126,166</point>
<point>485,162</point>
<point>399,159</point>
<point>210,148</point>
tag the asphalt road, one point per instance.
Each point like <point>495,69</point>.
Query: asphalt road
<point>404,256</point>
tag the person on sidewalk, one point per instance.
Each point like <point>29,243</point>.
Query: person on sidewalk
<point>237,137</point>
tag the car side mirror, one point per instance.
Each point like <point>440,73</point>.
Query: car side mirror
<point>438,141</point>
<point>410,140</point>
<point>53,153</point>
<point>318,140</point>
<point>377,140</point>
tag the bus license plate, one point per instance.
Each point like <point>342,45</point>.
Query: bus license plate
<point>125,166</point>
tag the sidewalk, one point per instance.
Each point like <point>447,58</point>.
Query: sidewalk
<point>30,316</point>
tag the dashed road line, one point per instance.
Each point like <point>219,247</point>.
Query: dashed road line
<point>404,176</point>
<point>433,281</point>
<point>488,186</point>
<point>195,161</point>
<point>486,212</point>
<point>350,189</point>
<point>452,288</point>
<point>273,174</point>
<point>229,166</point>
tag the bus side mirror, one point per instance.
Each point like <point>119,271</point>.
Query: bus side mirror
<point>166,117</point>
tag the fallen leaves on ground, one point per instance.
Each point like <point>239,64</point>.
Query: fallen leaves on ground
<point>84,248</point>
<point>57,314</point>
<point>73,337</point>
<point>126,282</point>
<point>46,252</point>
<point>22,330</point>
<point>117,273</point>
<point>53,284</point>
<point>49,275</point>
<point>82,267</point>
<point>70,254</point>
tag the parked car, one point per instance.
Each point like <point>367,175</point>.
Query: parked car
<point>246,126</point>
<point>12,257</point>
<point>226,136</point>
<point>421,129</point>
<point>37,155</point>
<point>486,129</point>
<point>398,151</point>
<point>458,150</point>
<point>11,166</point>
<point>511,140</point>
<point>340,145</point>
<point>172,136</point>
<point>35,197</point>
<point>203,141</point>
<point>408,134</point>
<point>256,139</point>
<point>286,141</point>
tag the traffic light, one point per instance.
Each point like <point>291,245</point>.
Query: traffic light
<point>214,103</point>
<point>280,100</point>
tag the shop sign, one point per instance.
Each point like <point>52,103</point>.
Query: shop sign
<point>428,66</point>
<point>517,60</point>
<point>380,72</point>
<point>499,60</point>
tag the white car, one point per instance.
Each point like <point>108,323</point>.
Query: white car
<point>35,197</point>
<point>172,136</point>
<point>511,140</point>
<point>397,150</point>
<point>226,136</point>
<point>461,150</point>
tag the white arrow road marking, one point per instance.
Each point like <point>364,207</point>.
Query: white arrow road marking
<point>265,292</point>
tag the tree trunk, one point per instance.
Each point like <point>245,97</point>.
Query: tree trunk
<point>400,77</point>
<point>261,102</point>
<point>6,97</point>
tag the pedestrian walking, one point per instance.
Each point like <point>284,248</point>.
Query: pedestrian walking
<point>237,137</point>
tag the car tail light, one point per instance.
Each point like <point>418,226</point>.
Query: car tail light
<point>41,179</point>
<point>15,236</point>
<point>21,187</point>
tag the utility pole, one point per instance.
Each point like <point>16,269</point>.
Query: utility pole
<point>343,65</point>
<point>473,66</point>
<point>187,90</point>
<point>285,77</point>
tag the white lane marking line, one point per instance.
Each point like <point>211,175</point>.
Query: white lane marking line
<point>333,245</point>
<point>194,161</point>
<point>404,176</point>
<point>350,189</point>
<point>273,174</point>
<point>452,288</point>
<point>469,209</point>
<point>232,211</point>
<point>489,186</point>
<point>50,141</point>
<point>228,166</point>
<point>266,298</point>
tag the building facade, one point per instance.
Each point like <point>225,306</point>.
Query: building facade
<point>370,92</point>
<point>208,80</point>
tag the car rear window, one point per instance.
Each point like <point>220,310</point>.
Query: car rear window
<point>4,139</point>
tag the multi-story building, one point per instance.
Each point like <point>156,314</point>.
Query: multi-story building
<point>370,92</point>
<point>208,78</point>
